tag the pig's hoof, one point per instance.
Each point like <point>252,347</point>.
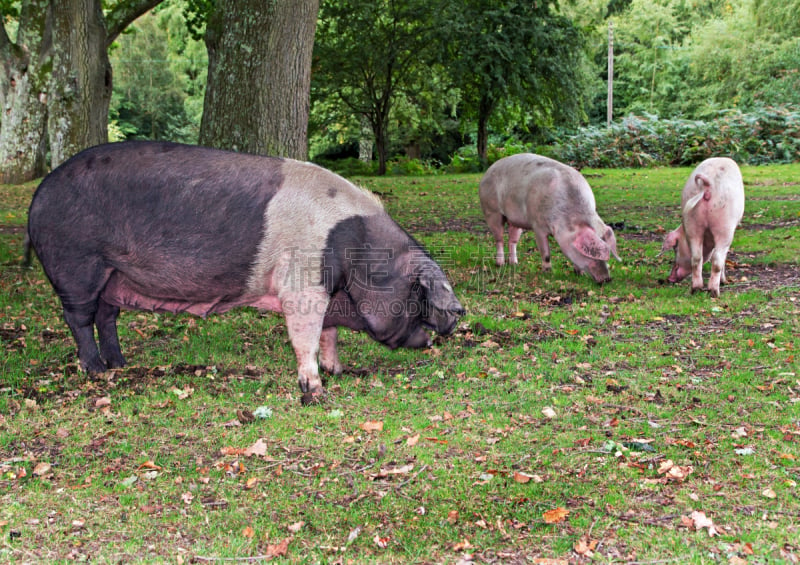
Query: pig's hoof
<point>311,398</point>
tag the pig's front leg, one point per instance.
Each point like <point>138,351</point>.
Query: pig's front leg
<point>495,223</point>
<point>305,311</point>
<point>514,233</point>
<point>328,354</point>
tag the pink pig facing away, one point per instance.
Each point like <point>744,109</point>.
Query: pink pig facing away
<point>531,192</point>
<point>712,205</point>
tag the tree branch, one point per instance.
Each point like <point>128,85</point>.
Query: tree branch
<point>123,14</point>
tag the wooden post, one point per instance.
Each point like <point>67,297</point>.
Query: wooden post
<point>610,101</point>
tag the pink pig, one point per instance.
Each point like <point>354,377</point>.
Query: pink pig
<point>713,204</point>
<point>529,191</point>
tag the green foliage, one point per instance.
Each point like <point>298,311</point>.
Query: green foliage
<point>159,78</point>
<point>769,135</point>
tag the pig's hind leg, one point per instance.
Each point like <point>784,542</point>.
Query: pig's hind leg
<point>106,321</point>
<point>79,287</point>
<point>718,256</point>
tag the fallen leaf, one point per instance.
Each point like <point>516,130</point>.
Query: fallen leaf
<point>187,497</point>
<point>412,441</point>
<point>585,546</point>
<point>522,477</point>
<point>555,515</point>
<point>549,412</point>
<point>104,401</point>
<point>148,465</point>
<point>41,469</point>
<point>296,527</point>
<point>383,543</point>
<point>251,483</point>
<point>768,493</point>
<point>248,532</point>
<point>258,448</point>
<point>372,426</point>
<point>452,516</point>
<point>700,521</point>
<point>462,545</point>
<point>278,549</point>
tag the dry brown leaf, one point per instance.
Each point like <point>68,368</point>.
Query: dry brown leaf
<point>522,477</point>
<point>258,448</point>
<point>383,543</point>
<point>149,465</point>
<point>372,426</point>
<point>278,549</point>
<point>248,532</point>
<point>296,527</point>
<point>549,561</point>
<point>555,515</point>
<point>412,441</point>
<point>251,483</point>
<point>700,520</point>
<point>585,546</point>
<point>104,401</point>
<point>462,545</point>
<point>41,469</point>
<point>452,516</point>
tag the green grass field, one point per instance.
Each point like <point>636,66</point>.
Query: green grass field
<point>562,422</point>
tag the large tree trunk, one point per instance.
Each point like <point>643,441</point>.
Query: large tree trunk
<point>81,79</point>
<point>259,76</point>
<point>55,81</point>
<point>23,97</point>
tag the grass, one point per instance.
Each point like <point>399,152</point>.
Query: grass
<point>554,393</point>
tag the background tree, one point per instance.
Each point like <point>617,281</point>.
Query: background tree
<point>159,78</point>
<point>369,51</point>
<point>259,75</point>
<point>55,83</point>
<point>514,52</point>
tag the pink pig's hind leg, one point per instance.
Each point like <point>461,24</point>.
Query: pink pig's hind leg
<point>718,257</point>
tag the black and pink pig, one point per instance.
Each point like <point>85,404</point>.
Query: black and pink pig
<point>177,228</point>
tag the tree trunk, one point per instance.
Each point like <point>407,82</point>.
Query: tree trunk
<point>484,112</point>
<point>365,141</point>
<point>259,76</point>
<point>80,81</point>
<point>55,81</point>
<point>23,97</point>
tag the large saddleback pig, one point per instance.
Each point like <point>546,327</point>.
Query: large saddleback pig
<point>712,205</point>
<point>178,228</point>
<point>529,191</point>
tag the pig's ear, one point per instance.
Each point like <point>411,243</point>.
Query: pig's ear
<point>587,243</point>
<point>671,241</point>
<point>611,241</point>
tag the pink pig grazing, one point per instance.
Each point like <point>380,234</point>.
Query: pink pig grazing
<point>713,203</point>
<point>529,191</point>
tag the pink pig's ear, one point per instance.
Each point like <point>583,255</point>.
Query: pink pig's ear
<point>671,241</point>
<point>587,242</point>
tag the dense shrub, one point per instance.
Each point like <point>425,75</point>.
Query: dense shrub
<point>770,135</point>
